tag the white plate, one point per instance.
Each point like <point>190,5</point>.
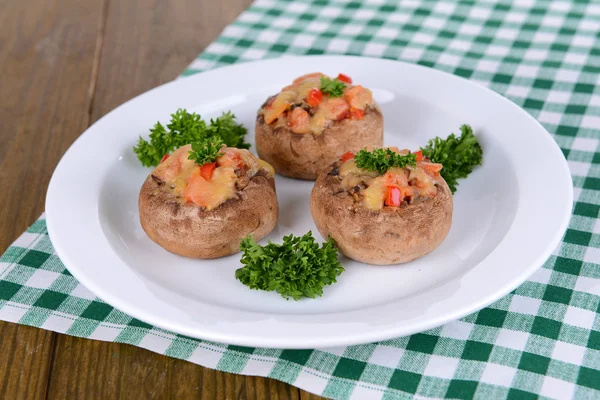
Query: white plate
<point>508,215</point>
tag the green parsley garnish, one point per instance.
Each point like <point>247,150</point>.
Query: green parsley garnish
<point>332,87</point>
<point>381,160</point>
<point>226,128</point>
<point>186,128</point>
<point>458,155</point>
<point>206,150</point>
<point>297,268</point>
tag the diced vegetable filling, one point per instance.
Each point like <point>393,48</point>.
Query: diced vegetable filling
<point>375,189</point>
<point>314,101</point>
<point>212,183</point>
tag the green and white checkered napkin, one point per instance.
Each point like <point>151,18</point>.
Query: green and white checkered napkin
<point>542,339</point>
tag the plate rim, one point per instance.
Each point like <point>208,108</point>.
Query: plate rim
<point>325,341</point>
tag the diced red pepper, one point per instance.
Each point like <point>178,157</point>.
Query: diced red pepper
<point>206,171</point>
<point>419,155</point>
<point>347,156</point>
<point>314,97</point>
<point>345,78</point>
<point>164,157</point>
<point>394,197</point>
<point>356,114</point>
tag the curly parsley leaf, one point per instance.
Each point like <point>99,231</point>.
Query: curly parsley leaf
<point>231,132</point>
<point>296,268</point>
<point>332,87</point>
<point>206,151</point>
<point>185,128</point>
<point>381,160</point>
<point>458,155</point>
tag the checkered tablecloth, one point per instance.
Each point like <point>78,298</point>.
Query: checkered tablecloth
<point>542,339</point>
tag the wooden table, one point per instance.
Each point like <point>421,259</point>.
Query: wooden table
<point>63,65</point>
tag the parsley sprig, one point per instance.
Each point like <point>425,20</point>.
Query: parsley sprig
<point>206,150</point>
<point>185,128</point>
<point>458,155</point>
<point>332,87</point>
<point>381,160</point>
<point>296,268</point>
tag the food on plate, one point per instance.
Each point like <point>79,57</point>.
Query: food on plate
<point>458,155</point>
<point>390,206</point>
<point>311,122</point>
<point>296,268</point>
<point>203,199</point>
<point>385,206</point>
<point>185,128</point>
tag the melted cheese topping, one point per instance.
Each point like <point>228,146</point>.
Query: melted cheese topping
<point>183,177</point>
<point>374,195</point>
<point>211,193</point>
<point>305,118</point>
<point>371,188</point>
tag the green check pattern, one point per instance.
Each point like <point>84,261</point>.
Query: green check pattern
<point>542,340</point>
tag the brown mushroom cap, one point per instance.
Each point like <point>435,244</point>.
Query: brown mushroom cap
<point>393,235</point>
<point>305,156</point>
<point>188,230</point>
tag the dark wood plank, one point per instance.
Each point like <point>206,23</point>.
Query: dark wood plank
<point>309,396</point>
<point>25,355</point>
<point>147,44</point>
<point>47,53</point>
<point>99,370</point>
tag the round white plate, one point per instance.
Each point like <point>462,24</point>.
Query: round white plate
<point>508,215</point>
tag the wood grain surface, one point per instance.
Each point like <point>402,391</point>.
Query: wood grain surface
<point>66,63</point>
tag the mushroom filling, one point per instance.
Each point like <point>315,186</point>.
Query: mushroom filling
<point>398,187</point>
<point>211,184</point>
<point>307,106</point>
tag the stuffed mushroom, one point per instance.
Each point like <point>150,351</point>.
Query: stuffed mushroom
<point>310,123</point>
<point>204,210</point>
<point>381,215</point>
